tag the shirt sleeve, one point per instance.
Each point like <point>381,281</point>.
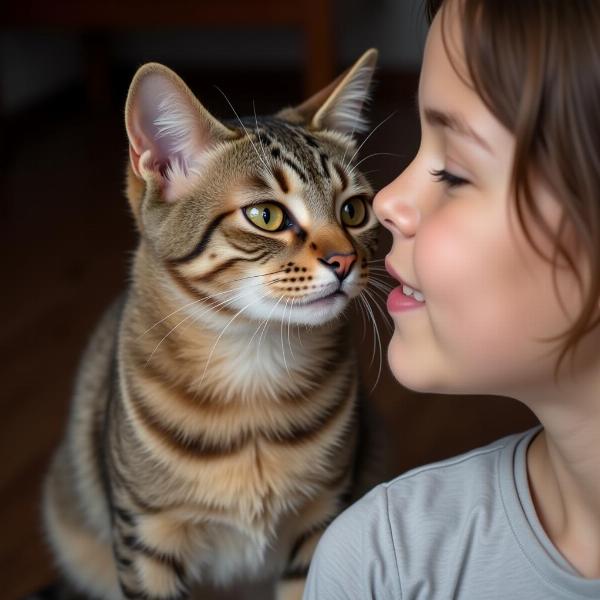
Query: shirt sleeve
<point>355,559</point>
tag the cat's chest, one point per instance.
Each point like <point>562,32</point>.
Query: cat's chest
<point>258,363</point>
<point>253,430</point>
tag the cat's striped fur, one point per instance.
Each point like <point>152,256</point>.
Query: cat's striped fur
<point>213,429</point>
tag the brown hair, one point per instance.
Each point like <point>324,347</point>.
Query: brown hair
<point>536,66</point>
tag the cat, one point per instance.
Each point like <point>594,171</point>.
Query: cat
<point>214,427</point>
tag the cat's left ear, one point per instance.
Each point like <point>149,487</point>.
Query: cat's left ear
<point>170,132</point>
<point>338,106</point>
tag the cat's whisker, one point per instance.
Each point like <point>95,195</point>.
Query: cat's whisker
<point>215,305</point>
<point>385,316</point>
<point>383,287</point>
<point>207,297</point>
<point>375,328</point>
<point>212,296</point>
<point>195,317</point>
<point>382,283</point>
<point>387,283</point>
<point>364,306</point>
<point>368,136</point>
<point>261,324</point>
<point>170,315</point>
<point>370,172</point>
<point>214,346</point>
<point>257,133</point>
<point>352,136</point>
<point>382,293</point>
<point>356,165</point>
<point>263,328</point>
<point>380,269</point>
<point>299,335</point>
<point>376,338</point>
<point>379,298</point>
<point>362,318</point>
<point>362,321</point>
<point>166,336</point>
<point>254,276</point>
<point>288,330</point>
<point>361,299</point>
<point>244,128</point>
<point>281,335</point>
<point>266,323</point>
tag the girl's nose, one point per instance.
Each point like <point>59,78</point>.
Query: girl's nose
<point>396,209</point>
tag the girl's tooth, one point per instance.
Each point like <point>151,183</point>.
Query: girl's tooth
<point>418,296</point>
<point>407,290</point>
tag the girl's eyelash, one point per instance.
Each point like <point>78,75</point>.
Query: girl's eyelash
<point>447,177</point>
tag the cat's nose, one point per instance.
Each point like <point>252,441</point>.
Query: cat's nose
<point>340,263</point>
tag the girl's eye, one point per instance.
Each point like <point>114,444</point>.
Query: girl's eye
<point>267,216</point>
<point>448,178</point>
<point>354,212</point>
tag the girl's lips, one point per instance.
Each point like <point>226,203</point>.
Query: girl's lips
<point>397,301</point>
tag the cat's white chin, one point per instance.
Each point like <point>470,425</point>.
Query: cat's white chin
<point>318,311</point>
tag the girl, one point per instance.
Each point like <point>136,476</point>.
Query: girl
<point>496,250</point>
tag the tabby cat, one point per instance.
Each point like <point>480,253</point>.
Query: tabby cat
<point>213,429</point>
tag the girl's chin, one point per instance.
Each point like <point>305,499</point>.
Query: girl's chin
<point>412,371</point>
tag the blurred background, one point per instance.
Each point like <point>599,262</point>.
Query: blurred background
<point>67,235</point>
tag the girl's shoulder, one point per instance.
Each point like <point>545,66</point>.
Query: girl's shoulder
<point>418,516</point>
<point>462,480</point>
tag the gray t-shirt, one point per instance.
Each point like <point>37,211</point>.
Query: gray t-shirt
<point>462,528</point>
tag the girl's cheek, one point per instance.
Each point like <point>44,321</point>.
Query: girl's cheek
<point>460,292</point>
<point>442,260</point>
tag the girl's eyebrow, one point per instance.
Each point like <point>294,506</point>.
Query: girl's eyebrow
<point>455,122</point>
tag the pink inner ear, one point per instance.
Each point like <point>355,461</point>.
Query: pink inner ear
<point>164,133</point>
<point>134,158</point>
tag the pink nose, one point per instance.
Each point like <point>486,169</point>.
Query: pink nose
<point>341,263</point>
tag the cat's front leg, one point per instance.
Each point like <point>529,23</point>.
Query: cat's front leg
<point>147,568</point>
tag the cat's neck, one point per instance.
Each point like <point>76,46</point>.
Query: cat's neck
<point>224,352</point>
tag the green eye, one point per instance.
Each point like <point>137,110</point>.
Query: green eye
<point>354,212</point>
<point>267,216</point>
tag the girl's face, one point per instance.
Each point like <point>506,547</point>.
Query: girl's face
<point>488,297</point>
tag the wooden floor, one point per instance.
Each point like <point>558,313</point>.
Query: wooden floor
<point>66,241</point>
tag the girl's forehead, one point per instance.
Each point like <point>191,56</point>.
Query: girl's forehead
<point>447,98</point>
<point>440,72</point>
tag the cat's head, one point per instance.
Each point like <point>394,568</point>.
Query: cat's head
<point>265,215</point>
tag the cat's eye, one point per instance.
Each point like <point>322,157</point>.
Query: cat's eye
<point>267,216</point>
<point>354,212</point>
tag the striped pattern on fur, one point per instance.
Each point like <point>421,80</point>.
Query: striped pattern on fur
<point>213,430</point>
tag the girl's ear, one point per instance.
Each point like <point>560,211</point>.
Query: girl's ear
<point>339,105</point>
<point>169,131</point>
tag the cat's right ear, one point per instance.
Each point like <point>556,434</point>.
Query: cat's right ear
<point>339,106</point>
<point>170,132</point>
